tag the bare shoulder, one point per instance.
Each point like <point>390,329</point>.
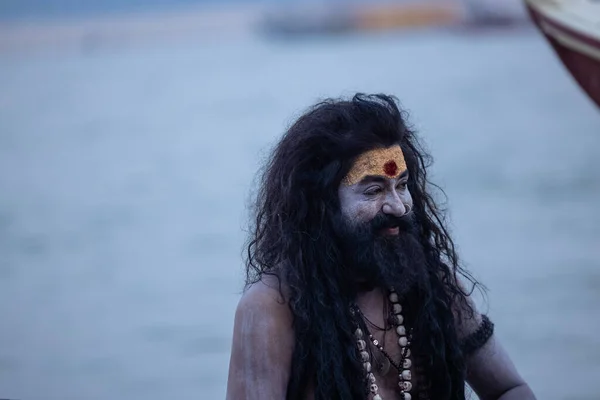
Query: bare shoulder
<point>263,301</point>
<point>467,316</point>
<point>263,317</point>
<point>262,347</point>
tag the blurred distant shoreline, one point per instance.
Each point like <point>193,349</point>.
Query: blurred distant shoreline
<point>122,29</point>
<point>89,32</point>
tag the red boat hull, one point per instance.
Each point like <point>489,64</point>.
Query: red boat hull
<point>580,53</point>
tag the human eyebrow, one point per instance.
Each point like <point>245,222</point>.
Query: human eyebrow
<point>380,179</point>
<point>403,175</point>
<point>372,179</point>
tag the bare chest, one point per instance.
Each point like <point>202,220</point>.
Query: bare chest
<point>385,372</point>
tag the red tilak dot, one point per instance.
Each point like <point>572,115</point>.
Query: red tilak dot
<point>390,168</point>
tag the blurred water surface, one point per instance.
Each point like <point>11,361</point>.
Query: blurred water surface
<point>124,177</point>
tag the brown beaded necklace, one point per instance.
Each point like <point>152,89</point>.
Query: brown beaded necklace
<point>403,367</point>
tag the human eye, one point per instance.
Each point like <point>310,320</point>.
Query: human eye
<point>402,184</point>
<point>373,191</point>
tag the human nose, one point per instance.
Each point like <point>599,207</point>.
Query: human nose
<point>394,205</point>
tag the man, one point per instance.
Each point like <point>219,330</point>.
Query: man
<point>352,287</point>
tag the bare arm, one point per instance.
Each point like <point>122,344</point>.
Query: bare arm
<point>492,374</point>
<point>262,347</point>
<point>490,371</point>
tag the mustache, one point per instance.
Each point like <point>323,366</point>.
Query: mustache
<point>383,221</point>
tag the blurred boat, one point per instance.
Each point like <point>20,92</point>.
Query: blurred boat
<point>494,13</point>
<point>407,15</point>
<point>355,16</point>
<point>573,29</point>
<point>325,18</point>
<point>306,20</point>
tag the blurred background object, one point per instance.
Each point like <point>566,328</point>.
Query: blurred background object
<point>131,132</point>
<point>573,30</point>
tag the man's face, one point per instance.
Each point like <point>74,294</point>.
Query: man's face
<point>375,227</point>
<point>376,184</point>
<point>377,234</point>
<point>373,195</point>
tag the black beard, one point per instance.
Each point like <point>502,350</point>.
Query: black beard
<point>373,259</point>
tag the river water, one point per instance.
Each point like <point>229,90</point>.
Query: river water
<point>125,174</point>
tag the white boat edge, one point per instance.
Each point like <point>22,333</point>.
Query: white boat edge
<point>571,17</point>
<point>558,12</point>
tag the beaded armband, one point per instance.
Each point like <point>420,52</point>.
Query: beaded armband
<point>477,339</point>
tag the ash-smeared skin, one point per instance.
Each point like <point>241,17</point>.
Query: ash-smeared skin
<point>361,202</point>
<point>302,176</point>
<point>263,341</point>
<point>263,338</point>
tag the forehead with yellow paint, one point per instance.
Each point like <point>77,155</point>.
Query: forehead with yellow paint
<point>386,162</point>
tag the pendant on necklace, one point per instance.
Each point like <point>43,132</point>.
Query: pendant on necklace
<point>383,365</point>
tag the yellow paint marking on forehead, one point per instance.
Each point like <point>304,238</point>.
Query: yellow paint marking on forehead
<point>388,162</point>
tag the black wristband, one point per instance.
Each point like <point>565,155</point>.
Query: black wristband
<point>477,339</point>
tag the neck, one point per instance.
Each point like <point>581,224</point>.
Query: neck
<point>374,305</point>
<point>371,299</point>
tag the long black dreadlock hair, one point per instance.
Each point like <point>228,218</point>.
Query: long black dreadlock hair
<point>291,239</point>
